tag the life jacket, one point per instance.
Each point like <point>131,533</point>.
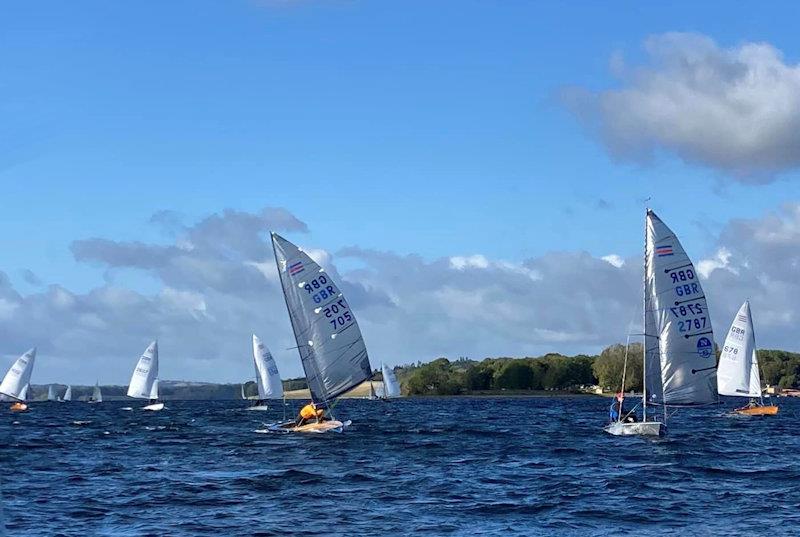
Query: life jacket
<point>308,412</point>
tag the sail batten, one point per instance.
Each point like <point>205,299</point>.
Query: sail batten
<point>680,358</point>
<point>329,340</point>
<point>145,375</point>
<point>738,373</point>
<point>15,383</point>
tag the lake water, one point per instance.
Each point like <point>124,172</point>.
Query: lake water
<point>457,466</point>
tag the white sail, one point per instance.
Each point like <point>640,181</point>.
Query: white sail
<point>145,373</point>
<point>680,320</point>
<point>154,390</point>
<point>18,376</point>
<point>737,372</point>
<point>97,395</point>
<point>391,388</point>
<point>267,377</point>
<point>51,393</point>
<point>331,348</point>
<point>68,394</point>
<point>23,394</point>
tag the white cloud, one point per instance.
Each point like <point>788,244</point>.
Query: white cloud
<point>614,260</point>
<point>736,109</point>
<point>473,261</point>
<point>720,260</point>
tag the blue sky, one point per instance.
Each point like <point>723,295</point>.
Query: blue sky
<point>436,129</point>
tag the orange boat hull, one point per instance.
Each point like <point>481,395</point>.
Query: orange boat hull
<point>758,411</point>
<point>19,407</point>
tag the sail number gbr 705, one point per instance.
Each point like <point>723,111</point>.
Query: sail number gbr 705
<point>337,313</point>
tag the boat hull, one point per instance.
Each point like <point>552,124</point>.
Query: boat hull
<point>641,428</point>
<point>19,407</point>
<point>334,426</point>
<point>770,410</point>
<point>262,408</point>
<point>154,407</point>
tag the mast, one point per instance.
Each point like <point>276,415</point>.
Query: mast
<point>644,326</point>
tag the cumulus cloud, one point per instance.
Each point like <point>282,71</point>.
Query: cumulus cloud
<point>735,109</point>
<point>218,284</point>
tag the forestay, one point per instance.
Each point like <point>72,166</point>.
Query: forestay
<point>145,374</point>
<point>267,377</point>
<point>16,381</point>
<point>678,334</point>
<point>737,373</point>
<point>328,338</point>
<point>391,388</point>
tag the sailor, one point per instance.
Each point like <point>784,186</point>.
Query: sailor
<point>614,409</point>
<point>310,412</point>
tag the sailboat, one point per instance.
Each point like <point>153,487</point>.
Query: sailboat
<point>15,384</point>
<point>737,372</point>
<point>679,364</point>
<point>144,381</point>
<point>329,341</point>
<point>67,395</point>
<point>51,394</point>
<point>372,395</point>
<point>268,380</point>
<point>97,395</point>
<point>391,388</point>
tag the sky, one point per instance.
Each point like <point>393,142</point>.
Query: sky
<point>474,173</point>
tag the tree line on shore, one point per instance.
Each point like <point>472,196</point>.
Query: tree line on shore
<point>564,373</point>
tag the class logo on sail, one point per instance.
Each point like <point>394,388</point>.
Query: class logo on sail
<point>704,347</point>
<point>664,251</point>
<point>295,268</point>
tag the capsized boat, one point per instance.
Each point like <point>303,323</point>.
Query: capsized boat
<point>329,340</point>
<point>97,394</point>
<point>16,383</point>
<point>737,372</point>
<point>144,381</point>
<point>679,364</point>
<point>68,395</point>
<point>391,388</point>
<point>268,379</point>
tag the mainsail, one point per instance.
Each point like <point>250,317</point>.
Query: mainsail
<point>737,373</point>
<point>51,393</point>
<point>678,334</point>
<point>328,338</point>
<point>23,394</point>
<point>19,376</point>
<point>391,388</point>
<point>68,394</point>
<point>97,395</point>
<point>267,377</point>
<point>145,374</point>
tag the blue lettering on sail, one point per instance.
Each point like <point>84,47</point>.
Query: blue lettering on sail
<point>704,347</point>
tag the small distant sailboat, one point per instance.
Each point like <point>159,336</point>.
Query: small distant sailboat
<point>51,394</point>
<point>144,381</point>
<point>16,383</point>
<point>268,379</point>
<point>329,341</point>
<point>97,395</point>
<point>67,395</point>
<point>737,372</point>
<point>372,394</point>
<point>391,388</point>
<point>679,366</point>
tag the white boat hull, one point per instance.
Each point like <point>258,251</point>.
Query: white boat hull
<point>154,407</point>
<point>258,407</point>
<point>641,428</point>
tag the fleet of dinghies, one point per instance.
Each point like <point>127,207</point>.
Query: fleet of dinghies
<point>679,362</point>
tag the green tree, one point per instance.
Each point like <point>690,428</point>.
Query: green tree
<point>514,375</point>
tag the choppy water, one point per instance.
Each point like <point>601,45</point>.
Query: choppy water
<point>457,466</point>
